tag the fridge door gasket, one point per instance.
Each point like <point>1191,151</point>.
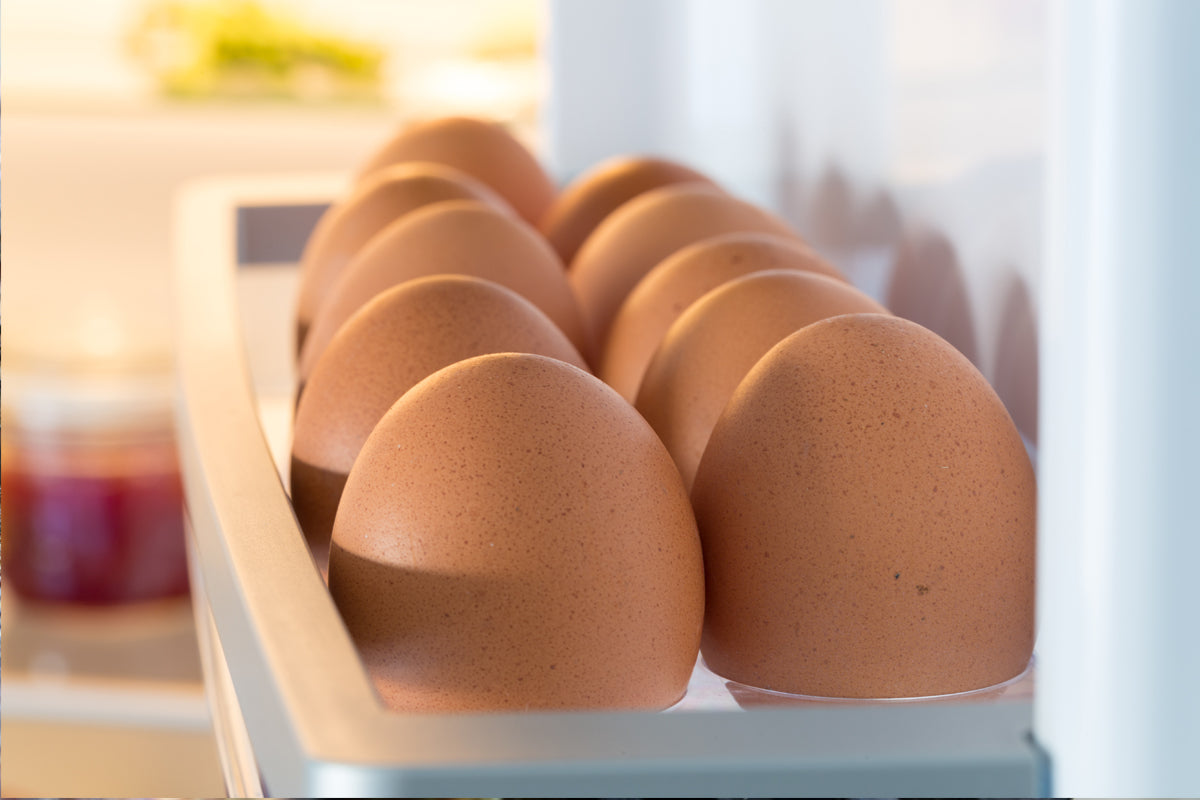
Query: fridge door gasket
<point>313,721</point>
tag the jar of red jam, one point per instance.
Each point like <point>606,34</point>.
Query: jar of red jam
<point>90,488</point>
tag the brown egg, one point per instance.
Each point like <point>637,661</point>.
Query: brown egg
<point>514,536</point>
<point>461,237</point>
<point>678,281</point>
<point>597,192</point>
<point>403,335</point>
<point>381,198</point>
<point>867,512</point>
<point>641,233</point>
<point>712,346</point>
<point>484,149</point>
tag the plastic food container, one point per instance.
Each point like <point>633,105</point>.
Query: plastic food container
<point>93,500</point>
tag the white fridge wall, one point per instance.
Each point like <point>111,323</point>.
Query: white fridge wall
<point>920,144</point>
<point>1118,703</point>
<point>877,127</point>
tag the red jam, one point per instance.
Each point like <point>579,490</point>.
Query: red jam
<point>95,522</point>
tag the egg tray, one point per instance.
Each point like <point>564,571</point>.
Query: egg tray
<point>293,707</point>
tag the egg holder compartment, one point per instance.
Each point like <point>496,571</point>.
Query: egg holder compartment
<point>293,707</point>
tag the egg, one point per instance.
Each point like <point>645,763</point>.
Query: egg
<point>514,536</point>
<point>597,192</point>
<point>679,280</point>
<point>867,512</point>
<point>710,348</point>
<point>385,196</point>
<point>484,149</point>
<point>641,233</point>
<point>455,237</point>
<point>403,335</point>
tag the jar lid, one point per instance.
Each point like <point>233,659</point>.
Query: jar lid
<point>87,399</point>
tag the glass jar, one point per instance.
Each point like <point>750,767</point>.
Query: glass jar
<point>92,499</point>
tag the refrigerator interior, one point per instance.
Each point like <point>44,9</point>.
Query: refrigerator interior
<point>964,163</point>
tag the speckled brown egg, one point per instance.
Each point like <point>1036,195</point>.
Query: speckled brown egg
<point>597,192</point>
<point>514,536</point>
<point>867,512</point>
<point>460,237</point>
<point>382,198</point>
<point>713,344</point>
<point>679,280</point>
<point>404,334</point>
<point>485,149</point>
<point>641,233</point>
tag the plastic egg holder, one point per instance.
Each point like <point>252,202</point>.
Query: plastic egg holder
<point>1019,687</point>
<point>338,738</point>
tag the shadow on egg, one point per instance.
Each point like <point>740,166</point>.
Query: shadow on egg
<point>424,610</point>
<point>449,618</point>
<point>314,493</point>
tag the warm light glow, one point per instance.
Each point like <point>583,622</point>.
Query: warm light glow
<point>101,335</point>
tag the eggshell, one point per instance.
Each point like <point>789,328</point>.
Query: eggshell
<point>461,237</point>
<point>381,198</point>
<point>482,148</point>
<point>679,280</point>
<point>597,192</point>
<point>403,335</point>
<point>712,346</point>
<point>641,233</point>
<point>866,508</point>
<point>514,536</point>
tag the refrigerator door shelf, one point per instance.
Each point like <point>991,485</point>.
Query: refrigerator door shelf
<point>291,700</point>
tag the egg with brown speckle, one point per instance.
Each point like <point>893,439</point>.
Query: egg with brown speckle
<point>514,536</point>
<point>375,202</point>
<point>401,336</point>
<point>641,233</point>
<point>867,511</point>
<point>679,280</point>
<point>597,192</point>
<point>459,237</point>
<point>710,348</point>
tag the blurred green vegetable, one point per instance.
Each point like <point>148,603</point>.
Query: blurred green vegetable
<point>241,48</point>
